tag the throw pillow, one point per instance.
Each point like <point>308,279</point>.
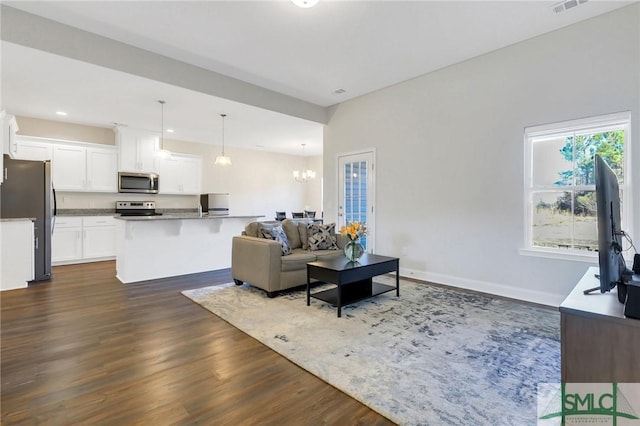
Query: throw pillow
<point>275,233</point>
<point>293,235</point>
<point>252,229</point>
<point>322,237</point>
<point>304,238</point>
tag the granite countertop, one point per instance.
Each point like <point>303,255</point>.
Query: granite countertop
<point>86,212</point>
<point>181,216</point>
<point>18,219</point>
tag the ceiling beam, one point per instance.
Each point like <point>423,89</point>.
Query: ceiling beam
<point>50,36</point>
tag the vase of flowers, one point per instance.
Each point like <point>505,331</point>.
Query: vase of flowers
<point>354,231</point>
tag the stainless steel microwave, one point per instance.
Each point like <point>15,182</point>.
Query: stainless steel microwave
<point>141,183</point>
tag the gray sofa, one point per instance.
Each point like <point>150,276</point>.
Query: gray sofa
<point>260,261</point>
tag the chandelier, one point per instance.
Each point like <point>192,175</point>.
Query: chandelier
<point>304,175</point>
<point>223,160</point>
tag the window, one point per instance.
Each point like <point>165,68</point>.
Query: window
<point>560,204</point>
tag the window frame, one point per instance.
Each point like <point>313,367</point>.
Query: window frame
<point>597,124</point>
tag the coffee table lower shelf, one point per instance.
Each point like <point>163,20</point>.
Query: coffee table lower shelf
<point>352,293</point>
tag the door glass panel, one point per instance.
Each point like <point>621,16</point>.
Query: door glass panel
<point>355,194</point>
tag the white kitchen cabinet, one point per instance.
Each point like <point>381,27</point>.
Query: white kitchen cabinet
<point>32,149</point>
<point>83,239</point>
<point>102,169</point>
<point>84,168</point>
<point>66,243</point>
<point>9,127</point>
<point>16,253</point>
<point>180,174</point>
<point>69,168</point>
<point>138,150</point>
<point>99,237</point>
<point>9,130</point>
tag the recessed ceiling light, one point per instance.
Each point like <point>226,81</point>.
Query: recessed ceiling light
<point>170,130</point>
<point>305,3</point>
<point>61,113</point>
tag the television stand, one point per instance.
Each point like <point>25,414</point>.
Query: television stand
<point>598,344</point>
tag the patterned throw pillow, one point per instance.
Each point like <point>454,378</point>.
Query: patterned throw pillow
<point>321,237</point>
<point>275,233</point>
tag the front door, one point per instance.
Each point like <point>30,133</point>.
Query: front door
<point>356,193</point>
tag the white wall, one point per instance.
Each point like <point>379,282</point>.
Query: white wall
<point>260,182</point>
<point>450,152</point>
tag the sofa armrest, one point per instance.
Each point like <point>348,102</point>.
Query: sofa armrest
<point>256,261</point>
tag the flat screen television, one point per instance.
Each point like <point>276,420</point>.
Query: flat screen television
<point>613,269</point>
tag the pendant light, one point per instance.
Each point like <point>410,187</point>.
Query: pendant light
<point>223,160</point>
<point>162,153</point>
<point>304,175</point>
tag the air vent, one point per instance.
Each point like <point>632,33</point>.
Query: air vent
<point>566,5</point>
<point>339,91</point>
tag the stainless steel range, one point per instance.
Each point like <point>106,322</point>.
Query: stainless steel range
<point>136,208</point>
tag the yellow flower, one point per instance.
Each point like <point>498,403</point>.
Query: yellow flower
<point>354,230</point>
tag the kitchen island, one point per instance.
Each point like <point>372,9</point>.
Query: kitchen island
<point>151,247</point>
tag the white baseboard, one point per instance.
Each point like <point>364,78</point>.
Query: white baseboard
<point>543,298</point>
<point>77,261</point>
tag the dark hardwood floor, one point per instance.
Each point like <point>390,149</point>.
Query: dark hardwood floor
<point>86,349</point>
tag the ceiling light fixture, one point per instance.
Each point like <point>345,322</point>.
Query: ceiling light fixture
<point>304,175</point>
<point>223,160</point>
<point>162,153</point>
<point>62,113</point>
<point>305,3</point>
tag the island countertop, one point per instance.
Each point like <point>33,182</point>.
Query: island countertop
<point>181,216</point>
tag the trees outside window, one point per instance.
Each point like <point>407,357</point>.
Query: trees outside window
<point>560,203</point>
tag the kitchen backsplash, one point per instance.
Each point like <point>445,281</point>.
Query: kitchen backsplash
<point>96,200</point>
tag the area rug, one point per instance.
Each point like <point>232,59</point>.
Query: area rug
<point>433,356</point>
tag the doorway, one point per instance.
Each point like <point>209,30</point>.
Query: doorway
<point>356,189</point>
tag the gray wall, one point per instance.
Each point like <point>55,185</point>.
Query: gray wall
<point>450,152</point>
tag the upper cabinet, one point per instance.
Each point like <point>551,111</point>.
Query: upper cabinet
<point>35,149</point>
<point>180,174</point>
<point>102,169</point>
<point>138,150</point>
<point>9,130</point>
<point>78,167</point>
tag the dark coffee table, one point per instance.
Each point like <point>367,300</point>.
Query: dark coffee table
<point>353,280</point>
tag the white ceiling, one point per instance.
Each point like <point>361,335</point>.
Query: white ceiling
<point>358,46</point>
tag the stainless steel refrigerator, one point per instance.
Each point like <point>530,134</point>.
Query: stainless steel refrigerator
<point>27,192</point>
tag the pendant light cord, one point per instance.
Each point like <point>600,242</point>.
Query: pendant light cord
<point>223,116</point>
<point>161,125</point>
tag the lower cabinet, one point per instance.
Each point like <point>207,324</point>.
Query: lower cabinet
<point>16,245</point>
<point>83,239</point>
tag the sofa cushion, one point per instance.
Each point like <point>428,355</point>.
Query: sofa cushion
<point>297,260</point>
<point>327,254</point>
<point>275,232</point>
<point>321,237</point>
<point>293,234</point>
